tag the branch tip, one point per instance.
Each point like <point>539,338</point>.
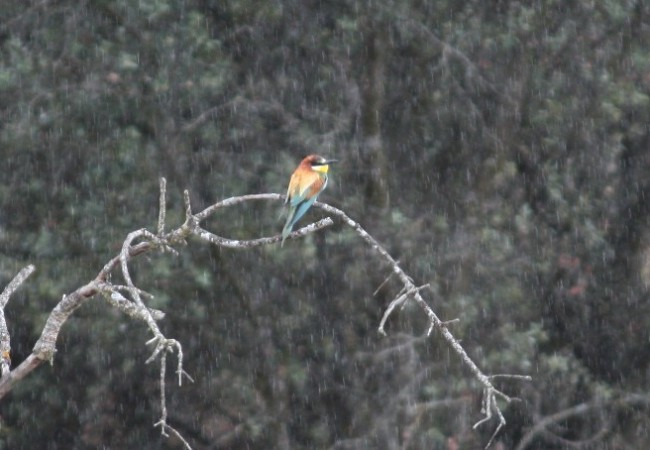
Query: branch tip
<point>450,322</point>
<point>188,206</point>
<point>162,203</point>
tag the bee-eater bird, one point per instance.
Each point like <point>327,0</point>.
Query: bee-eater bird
<point>308,180</point>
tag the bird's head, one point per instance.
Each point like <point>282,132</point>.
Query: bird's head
<point>317,163</point>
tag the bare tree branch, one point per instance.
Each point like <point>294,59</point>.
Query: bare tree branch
<point>5,338</point>
<point>490,405</point>
<point>130,299</point>
<point>162,423</point>
<point>162,205</point>
<point>117,300</point>
<point>15,283</point>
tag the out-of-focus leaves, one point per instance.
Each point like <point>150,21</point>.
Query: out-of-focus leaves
<point>515,145</point>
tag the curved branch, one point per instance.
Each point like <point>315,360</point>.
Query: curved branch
<point>490,393</point>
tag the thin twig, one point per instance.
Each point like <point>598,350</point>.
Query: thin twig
<point>383,283</point>
<point>513,376</point>
<point>163,401</point>
<point>162,205</point>
<point>162,423</point>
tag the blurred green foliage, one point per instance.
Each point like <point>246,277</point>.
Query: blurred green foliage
<point>513,145</point>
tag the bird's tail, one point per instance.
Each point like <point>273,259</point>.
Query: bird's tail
<point>288,225</point>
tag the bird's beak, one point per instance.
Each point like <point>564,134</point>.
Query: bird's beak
<point>330,161</point>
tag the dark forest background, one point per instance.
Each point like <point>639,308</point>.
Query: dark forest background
<point>500,150</point>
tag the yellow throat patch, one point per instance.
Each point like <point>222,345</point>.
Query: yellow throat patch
<point>321,169</point>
